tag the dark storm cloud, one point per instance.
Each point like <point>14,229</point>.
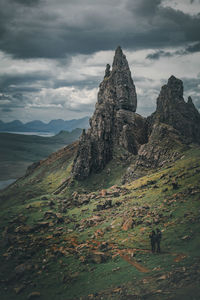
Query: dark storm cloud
<point>143,7</point>
<point>193,48</point>
<point>156,55</point>
<point>191,84</point>
<point>6,109</point>
<point>90,82</point>
<point>4,97</point>
<point>57,29</point>
<point>54,32</point>
<point>12,102</point>
<point>161,53</point>
<point>9,82</point>
<point>27,2</point>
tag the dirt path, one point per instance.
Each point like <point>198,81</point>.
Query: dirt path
<point>138,266</point>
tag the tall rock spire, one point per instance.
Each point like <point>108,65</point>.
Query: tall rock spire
<point>173,110</point>
<point>119,82</point>
<point>120,62</point>
<point>113,122</point>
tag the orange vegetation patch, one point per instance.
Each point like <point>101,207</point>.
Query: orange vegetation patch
<point>99,233</point>
<point>142,229</point>
<point>180,257</point>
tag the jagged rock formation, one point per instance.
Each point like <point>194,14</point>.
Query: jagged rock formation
<point>164,139</point>
<point>114,121</point>
<point>164,146</point>
<point>171,128</point>
<point>153,141</point>
<point>173,110</point>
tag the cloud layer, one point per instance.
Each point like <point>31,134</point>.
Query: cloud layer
<point>53,53</point>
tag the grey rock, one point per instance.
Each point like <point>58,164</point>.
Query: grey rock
<point>114,121</point>
<point>161,149</point>
<point>107,71</point>
<point>173,110</point>
<point>152,142</point>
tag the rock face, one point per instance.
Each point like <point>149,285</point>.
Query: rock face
<point>162,147</point>
<point>114,121</point>
<point>154,141</point>
<point>174,124</point>
<point>173,110</point>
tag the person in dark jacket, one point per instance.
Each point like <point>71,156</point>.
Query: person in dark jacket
<point>158,239</point>
<point>152,237</point>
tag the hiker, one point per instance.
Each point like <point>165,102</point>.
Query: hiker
<point>152,237</point>
<point>158,239</point>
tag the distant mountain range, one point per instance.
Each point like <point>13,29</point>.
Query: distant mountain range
<point>54,126</point>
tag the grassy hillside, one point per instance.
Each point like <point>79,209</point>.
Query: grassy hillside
<point>17,151</point>
<point>94,244</point>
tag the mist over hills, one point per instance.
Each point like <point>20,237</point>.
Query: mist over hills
<point>54,126</point>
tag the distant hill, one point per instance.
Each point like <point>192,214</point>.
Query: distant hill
<point>18,151</point>
<point>54,126</point>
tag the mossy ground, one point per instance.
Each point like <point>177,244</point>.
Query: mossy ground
<point>59,255</point>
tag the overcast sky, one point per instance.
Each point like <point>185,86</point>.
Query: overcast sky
<point>53,53</point>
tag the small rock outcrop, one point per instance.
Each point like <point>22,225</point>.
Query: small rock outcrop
<point>114,121</point>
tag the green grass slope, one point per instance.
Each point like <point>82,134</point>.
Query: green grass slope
<point>52,175</point>
<point>95,245</point>
<point>18,151</point>
<point>41,178</point>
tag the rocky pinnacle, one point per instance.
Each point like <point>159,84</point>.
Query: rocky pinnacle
<point>113,122</point>
<point>173,110</point>
<point>118,84</point>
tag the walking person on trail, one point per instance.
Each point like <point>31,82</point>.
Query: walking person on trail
<point>152,237</point>
<point>158,239</point>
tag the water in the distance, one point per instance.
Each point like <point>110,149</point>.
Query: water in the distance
<point>5,183</point>
<point>45,134</point>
